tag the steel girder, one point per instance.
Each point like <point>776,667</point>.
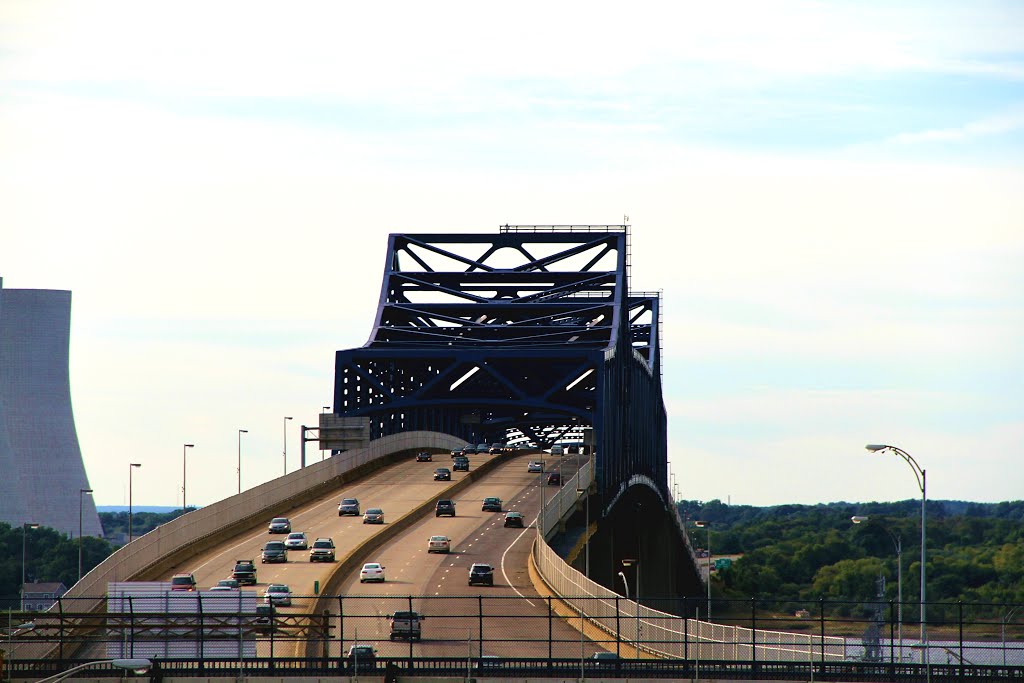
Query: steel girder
<point>529,331</point>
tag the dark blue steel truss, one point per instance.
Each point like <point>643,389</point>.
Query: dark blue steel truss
<point>529,333</point>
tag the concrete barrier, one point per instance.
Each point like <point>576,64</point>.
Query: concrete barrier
<point>196,531</point>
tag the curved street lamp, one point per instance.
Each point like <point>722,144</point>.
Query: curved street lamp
<point>81,495</point>
<point>898,542</point>
<point>239,470</point>
<point>139,666</point>
<point>131,466</point>
<point>285,431</point>
<point>922,483</point>
<point>183,477</point>
<point>700,524</point>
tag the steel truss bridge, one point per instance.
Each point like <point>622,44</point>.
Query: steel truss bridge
<point>530,335</point>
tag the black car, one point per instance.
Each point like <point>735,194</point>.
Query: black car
<point>469,450</point>
<point>442,474</point>
<point>555,479</point>
<point>265,618</point>
<point>482,574</point>
<point>445,507</point>
<point>460,464</point>
<point>274,551</point>
<point>491,504</point>
<point>362,659</point>
<point>244,572</point>
<point>513,519</point>
<point>423,456</point>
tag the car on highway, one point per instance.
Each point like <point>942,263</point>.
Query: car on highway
<point>227,583</point>
<point>514,519</point>
<point>456,452</point>
<point>482,448</point>
<point>424,456</point>
<point>218,588</point>
<point>279,525</point>
<point>480,573</point>
<point>442,474</point>
<point>297,540</point>
<point>555,479</point>
<point>372,571</point>
<point>444,507</point>
<point>469,450</point>
<point>183,582</point>
<point>460,464</point>
<point>278,594</point>
<point>535,466</point>
<point>406,624</point>
<point>244,572</point>
<point>274,551</point>
<point>496,448</point>
<point>373,516</point>
<point>348,506</point>
<point>322,550</point>
<point>362,659</point>
<point>439,544</point>
<point>266,615</point>
<point>491,504</point>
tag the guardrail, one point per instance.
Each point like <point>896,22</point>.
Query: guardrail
<point>660,633</point>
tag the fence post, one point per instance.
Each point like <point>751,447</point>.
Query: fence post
<point>550,634</point>
<point>341,630</point>
<point>480,613</point>
<point>753,631</point>
<point>892,634</point>
<point>202,632</point>
<point>618,636</point>
<point>60,612</point>
<point>410,639</point>
<point>960,618</point>
<point>686,629</point>
<point>131,626</point>
<point>821,618</point>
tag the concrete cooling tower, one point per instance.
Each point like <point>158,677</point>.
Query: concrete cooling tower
<point>41,467</point>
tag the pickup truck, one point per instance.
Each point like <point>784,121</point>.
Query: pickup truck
<point>244,572</point>
<point>406,625</point>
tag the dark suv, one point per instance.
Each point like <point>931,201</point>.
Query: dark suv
<point>445,507</point>
<point>423,456</point>
<point>482,574</point>
<point>460,464</point>
<point>274,551</point>
<point>244,572</point>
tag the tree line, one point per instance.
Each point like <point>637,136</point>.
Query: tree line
<point>975,551</point>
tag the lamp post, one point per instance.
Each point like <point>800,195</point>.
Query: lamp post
<point>629,562</point>
<point>81,495</point>
<point>702,524</point>
<point>131,466</point>
<point>922,483</point>
<point>586,533</point>
<point>898,542</point>
<point>138,666</point>
<point>324,409</point>
<point>183,477</point>
<point>239,469</point>
<point>285,431</point>
<point>24,534</point>
<point>8,656</point>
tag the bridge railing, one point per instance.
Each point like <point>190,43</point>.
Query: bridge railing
<point>661,633</point>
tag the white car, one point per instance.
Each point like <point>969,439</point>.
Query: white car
<point>439,544</point>
<point>535,466</point>
<point>278,594</point>
<point>297,540</point>
<point>372,571</point>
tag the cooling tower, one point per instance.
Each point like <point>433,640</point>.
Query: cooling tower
<point>41,468</point>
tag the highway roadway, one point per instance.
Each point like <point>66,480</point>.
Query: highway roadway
<point>515,622</point>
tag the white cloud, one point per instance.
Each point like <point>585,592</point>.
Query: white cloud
<point>1009,122</point>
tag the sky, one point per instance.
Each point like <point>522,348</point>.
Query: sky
<point>829,194</point>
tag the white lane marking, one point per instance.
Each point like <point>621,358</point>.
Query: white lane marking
<point>503,573</point>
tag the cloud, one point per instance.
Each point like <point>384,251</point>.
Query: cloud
<point>1000,124</point>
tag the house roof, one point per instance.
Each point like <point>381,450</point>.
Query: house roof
<point>51,587</point>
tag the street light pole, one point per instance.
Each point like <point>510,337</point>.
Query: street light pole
<point>285,431</point>
<point>24,533</point>
<point>922,483</point>
<point>707,525</point>
<point>131,466</point>
<point>183,476</point>
<point>898,542</point>
<point>239,469</point>
<point>629,563</point>
<point>81,494</point>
